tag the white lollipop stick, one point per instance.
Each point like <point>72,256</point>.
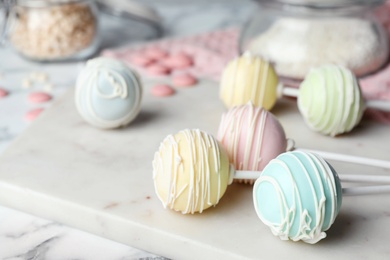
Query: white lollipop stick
<point>364,178</point>
<point>367,190</point>
<point>248,175</point>
<point>349,158</point>
<point>352,191</point>
<point>378,105</point>
<point>381,105</point>
<point>290,92</point>
<point>253,175</point>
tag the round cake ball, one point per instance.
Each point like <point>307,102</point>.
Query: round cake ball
<point>108,93</point>
<point>249,78</point>
<point>252,137</point>
<point>191,171</point>
<point>298,195</point>
<point>330,100</point>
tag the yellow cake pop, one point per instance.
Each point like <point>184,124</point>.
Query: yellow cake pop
<point>249,78</point>
<point>191,171</point>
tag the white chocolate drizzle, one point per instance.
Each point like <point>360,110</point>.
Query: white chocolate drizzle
<point>121,80</point>
<point>168,162</point>
<point>342,104</point>
<point>258,83</point>
<point>311,226</point>
<point>230,133</point>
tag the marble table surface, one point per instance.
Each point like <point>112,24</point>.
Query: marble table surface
<point>23,236</point>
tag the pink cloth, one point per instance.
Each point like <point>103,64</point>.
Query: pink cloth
<point>377,86</point>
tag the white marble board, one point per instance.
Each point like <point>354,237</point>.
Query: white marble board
<point>100,181</point>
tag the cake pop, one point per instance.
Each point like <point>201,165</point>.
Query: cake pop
<point>108,93</point>
<point>298,195</point>
<point>252,136</point>
<point>191,171</point>
<point>330,100</point>
<point>249,79</point>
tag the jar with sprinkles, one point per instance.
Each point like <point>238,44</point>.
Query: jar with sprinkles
<point>53,30</point>
<point>297,35</point>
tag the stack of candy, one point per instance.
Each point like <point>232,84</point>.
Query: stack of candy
<point>202,55</point>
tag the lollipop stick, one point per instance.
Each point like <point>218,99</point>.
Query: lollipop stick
<point>367,190</point>
<point>364,178</point>
<point>290,92</point>
<point>350,158</point>
<point>251,175</point>
<point>378,105</point>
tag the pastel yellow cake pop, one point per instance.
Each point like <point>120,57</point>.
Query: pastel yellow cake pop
<point>249,78</point>
<point>191,171</point>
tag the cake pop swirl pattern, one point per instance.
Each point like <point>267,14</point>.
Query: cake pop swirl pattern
<point>330,100</point>
<point>190,171</point>
<point>108,93</point>
<point>252,136</point>
<point>298,196</point>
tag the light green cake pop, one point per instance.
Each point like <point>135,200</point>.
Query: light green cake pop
<point>330,100</point>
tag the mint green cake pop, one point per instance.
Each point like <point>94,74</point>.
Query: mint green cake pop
<point>298,195</point>
<point>330,100</point>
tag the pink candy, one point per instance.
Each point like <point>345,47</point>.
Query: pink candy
<point>39,97</point>
<point>184,80</point>
<point>141,60</point>
<point>201,55</point>
<point>162,90</point>
<point>3,93</point>
<point>156,53</point>
<point>158,70</point>
<point>33,114</point>
<point>179,61</point>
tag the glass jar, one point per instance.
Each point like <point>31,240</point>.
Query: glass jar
<point>296,35</point>
<point>61,30</point>
<point>53,30</point>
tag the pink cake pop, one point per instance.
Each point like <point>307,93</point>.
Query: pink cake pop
<point>252,137</point>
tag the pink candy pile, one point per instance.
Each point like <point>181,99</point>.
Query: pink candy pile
<point>202,55</point>
<point>207,54</point>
